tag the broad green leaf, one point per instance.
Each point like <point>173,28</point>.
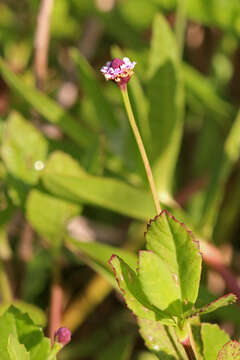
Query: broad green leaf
<point>119,349</point>
<point>61,163</point>
<point>101,253</point>
<point>216,304</point>
<point>230,351</point>
<point>37,315</point>
<point>24,149</point>
<point>16,350</point>
<point>158,283</point>
<point>165,94</point>
<point>108,193</point>
<point>49,215</point>
<point>213,340</point>
<point>161,340</point>
<point>176,247</point>
<point>48,108</point>
<point>131,290</point>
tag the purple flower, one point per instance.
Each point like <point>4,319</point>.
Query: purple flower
<point>63,335</point>
<point>119,71</point>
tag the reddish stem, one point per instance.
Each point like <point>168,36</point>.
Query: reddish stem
<point>56,305</point>
<point>188,348</point>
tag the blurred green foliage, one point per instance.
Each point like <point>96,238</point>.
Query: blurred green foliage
<point>67,150</point>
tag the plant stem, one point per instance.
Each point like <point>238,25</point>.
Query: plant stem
<point>56,300</point>
<point>141,148</point>
<point>180,25</point>
<point>189,351</point>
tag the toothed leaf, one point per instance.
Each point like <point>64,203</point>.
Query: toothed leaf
<point>230,351</point>
<point>132,292</point>
<point>158,284</point>
<point>222,301</point>
<point>175,245</point>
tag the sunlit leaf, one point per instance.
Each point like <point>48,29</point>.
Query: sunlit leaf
<point>176,247</point>
<point>213,340</point>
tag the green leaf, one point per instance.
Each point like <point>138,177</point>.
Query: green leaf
<point>108,193</point>
<point>176,247</point>
<point>101,253</point>
<point>146,355</point>
<point>213,340</point>
<point>165,94</point>
<point>48,108</point>
<point>131,290</point>
<point>197,342</point>
<point>24,149</point>
<point>49,215</point>
<point>161,340</point>
<point>214,305</point>
<point>37,315</point>
<point>119,349</point>
<point>158,283</point>
<point>30,335</point>
<point>230,351</point>
<point>16,350</point>
<point>201,88</point>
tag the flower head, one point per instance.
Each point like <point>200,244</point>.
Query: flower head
<point>63,335</point>
<point>119,71</point>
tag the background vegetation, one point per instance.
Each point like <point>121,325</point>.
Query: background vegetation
<point>73,189</point>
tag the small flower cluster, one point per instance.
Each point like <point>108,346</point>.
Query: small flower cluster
<point>119,71</point>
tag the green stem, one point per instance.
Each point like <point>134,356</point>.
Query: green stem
<point>5,288</point>
<point>180,25</point>
<point>141,148</point>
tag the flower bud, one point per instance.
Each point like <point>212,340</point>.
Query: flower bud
<point>63,335</point>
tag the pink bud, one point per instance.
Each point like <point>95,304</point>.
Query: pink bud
<point>63,335</point>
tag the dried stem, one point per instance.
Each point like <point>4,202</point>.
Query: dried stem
<point>141,148</point>
<point>42,42</point>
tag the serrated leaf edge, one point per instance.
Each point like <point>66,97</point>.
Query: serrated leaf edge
<point>164,211</point>
<point>225,345</point>
<point>201,310</point>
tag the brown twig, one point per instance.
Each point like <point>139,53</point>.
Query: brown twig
<point>42,42</point>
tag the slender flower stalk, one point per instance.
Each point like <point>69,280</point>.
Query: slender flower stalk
<point>141,148</point>
<point>120,71</point>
